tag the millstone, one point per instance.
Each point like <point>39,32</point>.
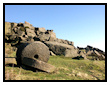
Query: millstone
<point>35,50</point>
<point>38,64</point>
<point>35,55</point>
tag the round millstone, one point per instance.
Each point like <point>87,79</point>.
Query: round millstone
<point>36,50</point>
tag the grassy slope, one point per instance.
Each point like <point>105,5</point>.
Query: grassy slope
<point>66,69</point>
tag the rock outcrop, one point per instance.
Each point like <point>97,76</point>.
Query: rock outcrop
<point>17,33</point>
<point>91,51</point>
<point>34,45</point>
<point>62,49</point>
<point>23,32</point>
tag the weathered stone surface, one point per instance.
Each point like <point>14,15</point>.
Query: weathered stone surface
<point>100,56</point>
<point>103,57</point>
<point>27,22</point>
<point>15,30</point>
<point>52,36</point>
<point>36,50</point>
<point>65,41</point>
<point>62,49</point>
<point>30,32</point>
<point>6,55</point>
<point>96,54</point>
<point>38,64</point>
<point>89,48</point>
<point>44,37</point>
<point>83,54</point>
<point>10,61</point>
<point>35,55</point>
<point>13,24</point>
<point>40,29</point>
<point>89,52</point>
<point>7,28</point>
<point>52,54</point>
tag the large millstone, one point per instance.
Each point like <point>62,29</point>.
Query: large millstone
<point>35,55</point>
<point>36,50</point>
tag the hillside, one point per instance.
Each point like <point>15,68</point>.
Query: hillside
<point>33,53</point>
<point>67,69</point>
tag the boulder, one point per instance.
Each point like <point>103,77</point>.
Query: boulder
<point>30,32</point>
<point>99,56</point>
<point>23,39</point>
<point>15,30</point>
<point>90,48</point>
<point>13,25</point>
<point>44,37</point>
<point>62,49</point>
<point>96,53</point>
<point>40,29</point>
<point>52,54</point>
<point>82,54</point>
<point>27,23</point>
<point>65,41</point>
<point>52,36</point>
<point>8,28</point>
<point>10,61</point>
<point>89,53</point>
<point>99,51</point>
<point>103,57</point>
<point>6,55</point>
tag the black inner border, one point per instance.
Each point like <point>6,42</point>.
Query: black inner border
<point>105,4</point>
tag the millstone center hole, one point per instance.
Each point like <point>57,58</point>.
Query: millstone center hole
<point>36,56</point>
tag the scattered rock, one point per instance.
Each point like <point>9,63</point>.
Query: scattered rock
<point>91,51</point>
<point>10,61</point>
<point>6,55</point>
<point>52,54</point>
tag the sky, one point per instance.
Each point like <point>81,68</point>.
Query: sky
<point>82,24</point>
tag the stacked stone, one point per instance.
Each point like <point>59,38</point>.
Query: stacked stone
<point>91,51</point>
<point>23,32</point>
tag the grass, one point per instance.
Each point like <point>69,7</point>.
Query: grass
<point>9,50</point>
<point>66,69</point>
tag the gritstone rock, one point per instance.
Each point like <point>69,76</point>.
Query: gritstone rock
<point>52,54</point>
<point>37,53</point>
<point>96,54</point>
<point>30,32</point>
<point>62,49</point>
<point>10,61</point>
<point>38,64</point>
<point>26,32</point>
